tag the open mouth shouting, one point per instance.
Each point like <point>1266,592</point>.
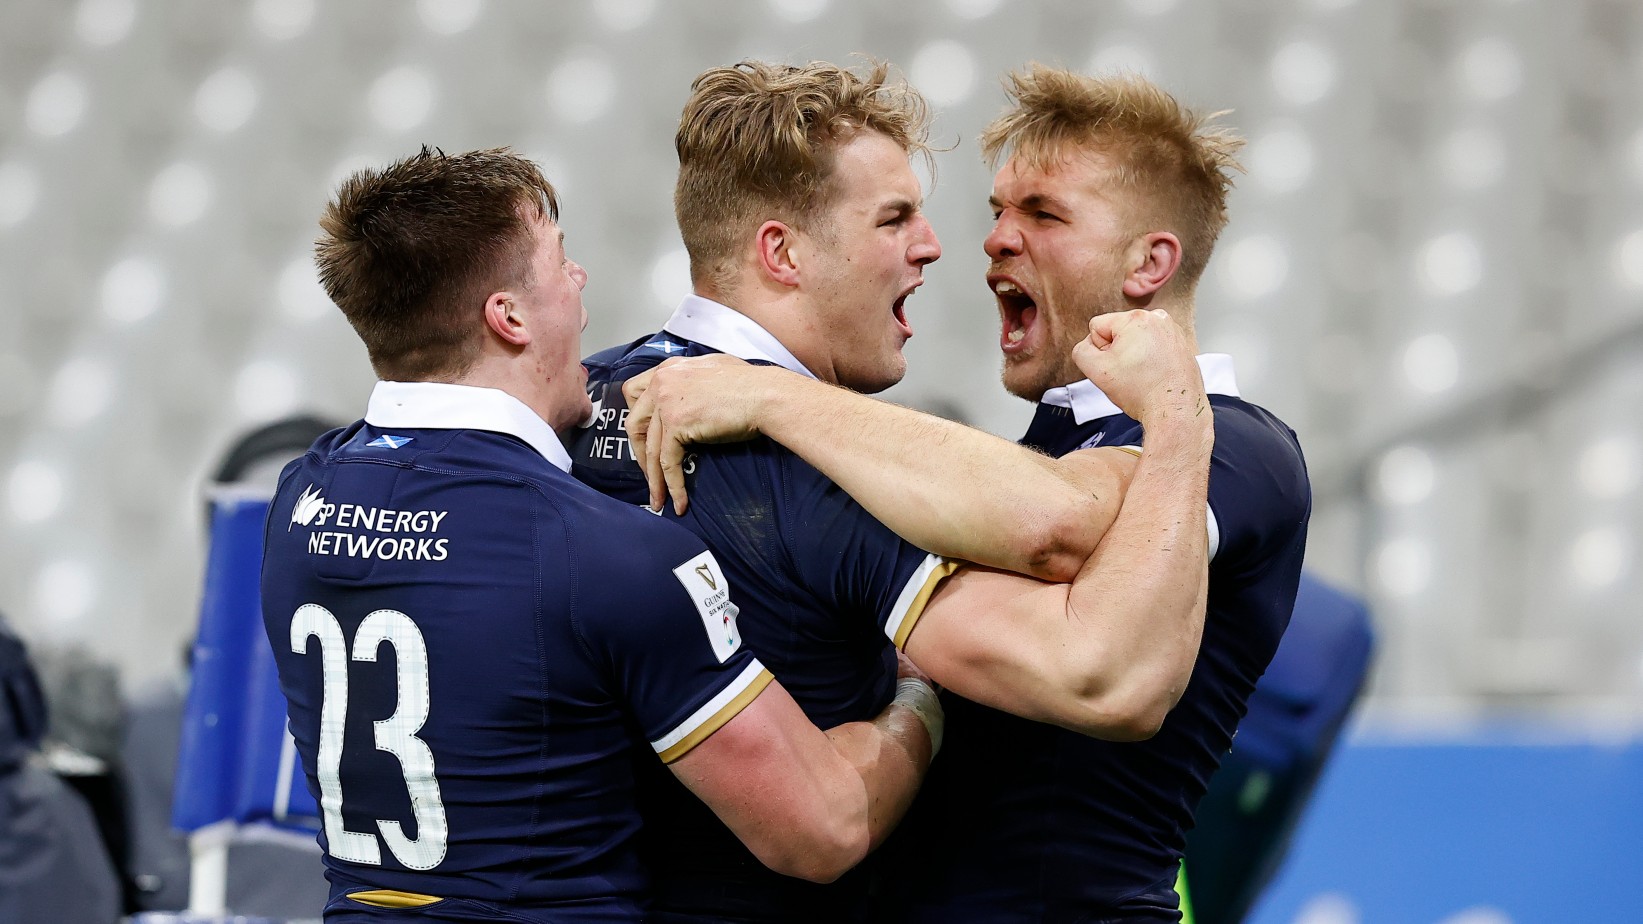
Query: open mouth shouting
<point>1018,310</point>
<point>898,309</point>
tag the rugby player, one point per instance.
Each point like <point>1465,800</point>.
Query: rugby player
<point>476,648</point>
<point>802,217</point>
<point>1109,200</point>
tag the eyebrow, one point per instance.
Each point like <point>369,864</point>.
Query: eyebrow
<point>900,206</point>
<point>1032,203</point>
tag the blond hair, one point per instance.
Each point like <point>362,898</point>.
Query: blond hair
<point>756,141</point>
<point>1177,164</point>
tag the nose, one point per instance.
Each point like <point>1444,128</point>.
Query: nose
<point>578,274</point>
<point>1004,240</point>
<point>926,248</point>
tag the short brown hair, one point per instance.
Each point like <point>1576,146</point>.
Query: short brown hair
<point>1176,161</point>
<point>410,253</point>
<point>756,140</point>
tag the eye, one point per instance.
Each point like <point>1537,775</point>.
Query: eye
<point>1042,215</point>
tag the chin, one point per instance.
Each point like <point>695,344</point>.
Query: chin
<point>873,381</point>
<point>1028,380</point>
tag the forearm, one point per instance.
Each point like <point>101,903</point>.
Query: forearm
<point>1145,586</point>
<point>891,754</point>
<point>945,487</point>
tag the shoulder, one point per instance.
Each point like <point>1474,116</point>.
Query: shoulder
<point>613,357</point>
<point>1259,491</point>
<point>1251,435</point>
<point>624,361</point>
<point>616,537</point>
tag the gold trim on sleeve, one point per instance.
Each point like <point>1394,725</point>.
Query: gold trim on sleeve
<point>718,719</point>
<point>916,609</point>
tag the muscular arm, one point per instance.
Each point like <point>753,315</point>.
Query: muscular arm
<point>942,486</point>
<point>945,487</point>
<point>809,803</point>
<point>1111,653</point>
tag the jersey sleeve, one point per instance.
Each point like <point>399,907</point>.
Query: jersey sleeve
<point>1259,494</point>
<point>662,622</point>
<point>850,560</point>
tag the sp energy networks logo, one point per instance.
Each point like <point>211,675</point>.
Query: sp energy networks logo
<point>361,531</point>
<point>310,504</point>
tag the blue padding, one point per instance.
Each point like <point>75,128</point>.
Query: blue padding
<point>228,764</point>
<point>1317,673</point>
<point>1509,825</point>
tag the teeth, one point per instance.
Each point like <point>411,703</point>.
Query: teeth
<point>1016,336</point>
<point>1006,287</point>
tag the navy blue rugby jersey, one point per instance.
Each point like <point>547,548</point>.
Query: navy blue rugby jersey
<point>1026,822</point>
<point>474,648</point>
<point>824,590</point>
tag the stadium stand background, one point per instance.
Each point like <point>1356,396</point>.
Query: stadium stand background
<point>1434,272</point>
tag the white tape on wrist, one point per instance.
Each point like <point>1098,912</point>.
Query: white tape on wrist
<point>921,698</point>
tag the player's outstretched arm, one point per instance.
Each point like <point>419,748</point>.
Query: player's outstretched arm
<point>810,803</point>
<point>1110,654</point>
<point>942,486</point>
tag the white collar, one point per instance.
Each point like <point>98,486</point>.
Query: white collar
<point>727,330</point>
<point>441,406</point>
<point>1089,402</point>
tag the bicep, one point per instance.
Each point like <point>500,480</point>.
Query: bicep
<point>999,639</point>
<point>778,784</point>
<point>1104,475</point>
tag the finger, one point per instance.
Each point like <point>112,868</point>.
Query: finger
<point>654,477</point>
<point>673,470</point>
<point>1088,358</point>
<point>638,427</point>
<point>1103,328</point>
<point>635,387</point>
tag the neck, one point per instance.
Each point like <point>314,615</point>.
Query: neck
<point>508,375</point>
<point>787,316</point>
<point>1181,312</point>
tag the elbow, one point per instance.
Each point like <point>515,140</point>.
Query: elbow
<point>1058,545</point>
<point>822,856</point>
<point>1119,712</point>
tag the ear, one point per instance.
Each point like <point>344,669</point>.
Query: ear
<point>1153,262</point>
<point>775,243</point>
<point>505,320</point>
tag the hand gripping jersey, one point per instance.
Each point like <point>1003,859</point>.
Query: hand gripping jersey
<point>823,588</point>
<point>476,649</point>
<point>1026,822</point>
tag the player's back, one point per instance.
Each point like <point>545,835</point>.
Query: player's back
<point>819,584</point>
<point>468,643</point>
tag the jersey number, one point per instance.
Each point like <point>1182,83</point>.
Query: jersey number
<point>395,734</point>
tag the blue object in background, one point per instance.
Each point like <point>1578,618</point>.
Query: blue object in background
<point>236,761</point>
<point>1246,819</point>
<point>1503,825</point>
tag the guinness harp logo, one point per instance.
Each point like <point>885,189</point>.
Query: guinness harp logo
<point>706,571</point>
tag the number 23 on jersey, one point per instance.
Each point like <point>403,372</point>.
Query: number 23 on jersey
<point>395,734</point>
